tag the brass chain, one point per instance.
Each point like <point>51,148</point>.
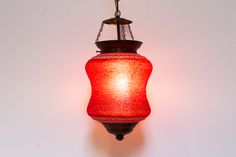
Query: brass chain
<point>123,32</point>
<point>117,13</point>
<point>130,31</point>
<point>100,31</point>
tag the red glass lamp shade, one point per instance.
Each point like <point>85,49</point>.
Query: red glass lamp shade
<point>118,83</point>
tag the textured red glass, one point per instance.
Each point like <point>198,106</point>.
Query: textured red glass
<point>118,83</point>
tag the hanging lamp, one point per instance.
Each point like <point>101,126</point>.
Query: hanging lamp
<point>118,76</point>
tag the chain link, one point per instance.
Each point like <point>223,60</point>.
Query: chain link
<point>123,32</point>
<point>117,13</point>
<point>100,31</point>
<point>130,31</point>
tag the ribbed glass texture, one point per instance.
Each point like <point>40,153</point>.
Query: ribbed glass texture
<point>118,83</point>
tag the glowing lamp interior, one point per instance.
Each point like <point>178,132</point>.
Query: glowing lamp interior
<point>121,83</point>
<point>118,83</point>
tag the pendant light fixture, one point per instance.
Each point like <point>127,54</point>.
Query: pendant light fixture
<point>118,76</point>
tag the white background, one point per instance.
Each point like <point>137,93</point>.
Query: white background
<point>44,90</point>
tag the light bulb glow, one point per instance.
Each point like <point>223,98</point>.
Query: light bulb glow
<point>121,83</point>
